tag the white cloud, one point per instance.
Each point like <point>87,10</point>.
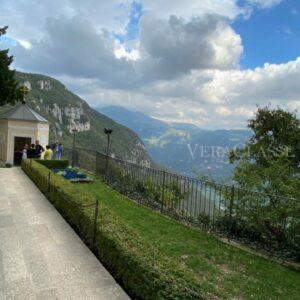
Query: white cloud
<point>192,8</point>
<point>75,47</point>
<point>24,43</point>
<point>26,18</point>
<point>210,99</point>
<point>234,94</point>
<point>121,52</point>
<point>223,111</point>
<point>184,65</point>
<point>271,83</point>
<point>204,42</point>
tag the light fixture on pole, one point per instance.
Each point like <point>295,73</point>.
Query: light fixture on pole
<point>74,131</point>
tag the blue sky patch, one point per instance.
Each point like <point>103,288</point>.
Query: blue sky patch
<point>132,28</point>
<point>7,41</point>
<point>270,35</point>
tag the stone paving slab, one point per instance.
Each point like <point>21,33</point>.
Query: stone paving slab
<point>41,257</point>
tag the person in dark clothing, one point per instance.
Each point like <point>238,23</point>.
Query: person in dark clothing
<point>53,146</point>
<point>39,149</point>
<point>31,152</point>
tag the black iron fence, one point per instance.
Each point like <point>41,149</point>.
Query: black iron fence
<point>81,157</point>
<point>268,221</point>
<point>262,220</point>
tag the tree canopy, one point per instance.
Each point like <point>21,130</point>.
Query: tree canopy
<point>270,161</point>
<point>9,91</point>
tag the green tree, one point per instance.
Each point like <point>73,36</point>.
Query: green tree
<point>9,92</point>
<point>270,161</point>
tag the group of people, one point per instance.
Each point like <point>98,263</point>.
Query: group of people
<point>37,151</point>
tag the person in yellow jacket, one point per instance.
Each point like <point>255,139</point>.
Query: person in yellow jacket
<point>48,153</point>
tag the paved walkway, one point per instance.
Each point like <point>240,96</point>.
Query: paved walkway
<point>41,257</point>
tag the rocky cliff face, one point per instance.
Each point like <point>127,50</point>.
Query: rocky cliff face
<point>70,115</point>
<point>65,111</point>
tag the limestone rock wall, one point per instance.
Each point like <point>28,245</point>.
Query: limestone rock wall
<point>69,117</point>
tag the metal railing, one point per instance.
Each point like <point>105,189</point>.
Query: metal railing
<point>81,158</point>
<point>261,220</point>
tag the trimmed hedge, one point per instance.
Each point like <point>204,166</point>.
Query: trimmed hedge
<point>141,269</point>
<point>53,164</point>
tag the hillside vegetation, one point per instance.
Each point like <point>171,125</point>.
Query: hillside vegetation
<point>64,110</point>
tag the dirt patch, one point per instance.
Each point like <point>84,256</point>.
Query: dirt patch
<point>225,269</point>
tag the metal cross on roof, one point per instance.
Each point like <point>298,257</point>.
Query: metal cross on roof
<point>24,91</point>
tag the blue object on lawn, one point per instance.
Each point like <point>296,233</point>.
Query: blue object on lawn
<point>70,173</point>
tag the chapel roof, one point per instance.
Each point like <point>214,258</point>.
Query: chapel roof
<point>23,112</point>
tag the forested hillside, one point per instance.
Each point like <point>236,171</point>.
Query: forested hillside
<point>65,110</point>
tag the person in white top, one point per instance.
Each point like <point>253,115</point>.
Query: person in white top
<point>24,152</point>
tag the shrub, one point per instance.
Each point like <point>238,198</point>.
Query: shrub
<point>54,164</point>
<point>143,271</point>
<point>204,219</point>
<point>145,188</point>
<point>270,221</point>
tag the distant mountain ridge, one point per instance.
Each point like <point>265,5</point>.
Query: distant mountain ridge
<point>183,148</point>
<point>64,110</point>
<point>144,125</point>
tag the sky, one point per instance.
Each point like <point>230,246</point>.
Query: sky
<point>206,62</point>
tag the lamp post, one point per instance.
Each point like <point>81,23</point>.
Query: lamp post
<point>108,132</point>
<point>74,130</point>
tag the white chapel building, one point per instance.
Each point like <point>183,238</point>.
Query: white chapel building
<point>19,126</point>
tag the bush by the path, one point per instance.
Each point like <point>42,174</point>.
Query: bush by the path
<point>53,164</point>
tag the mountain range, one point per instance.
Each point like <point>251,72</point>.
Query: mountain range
<point>65,110</point>
<point>137,137</point>
<point>180,147</point>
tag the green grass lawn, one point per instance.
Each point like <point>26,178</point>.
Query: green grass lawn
<point>222,269</point>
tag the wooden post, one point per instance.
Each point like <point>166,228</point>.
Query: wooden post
<point>230,211</point>
<point>163,192</point>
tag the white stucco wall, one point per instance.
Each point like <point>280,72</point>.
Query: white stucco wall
<point>43,134</point>
<point>3,140</point>
<point>14,128</point>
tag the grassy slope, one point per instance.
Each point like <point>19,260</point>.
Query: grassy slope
<point>223,269</point>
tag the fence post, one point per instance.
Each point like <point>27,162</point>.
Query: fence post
<point>76,159</point>
<point>97,163</point>
<point>106,168</point>
<point>49,178</point>
<point>74,130</point>
<point>95,222</point>
<point>230,211</point>
<point>163,192</point>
